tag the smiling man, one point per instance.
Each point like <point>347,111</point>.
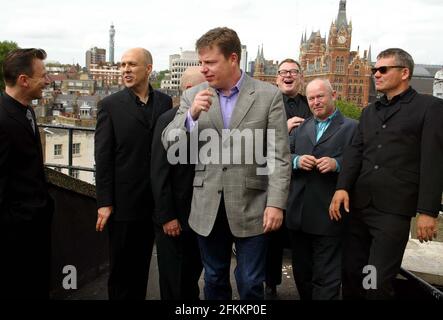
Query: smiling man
<point>392,171</point>
<point>317,151</point>
<point>123,138</point>
<point>231,202</point>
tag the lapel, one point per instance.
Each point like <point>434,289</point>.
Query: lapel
<point>246,98</point>
<point>310,128</point>
<point>333,127</point>
<point>215,114</point>
<point>17,115</point>
<point>131,107</point>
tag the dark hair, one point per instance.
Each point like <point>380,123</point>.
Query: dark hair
<point>20,61</point>
<point>289,60</point>
<point>226,39</point>
<point>401,58</point>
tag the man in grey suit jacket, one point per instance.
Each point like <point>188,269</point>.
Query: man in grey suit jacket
<point>317,150</point>
<point>238,195</point>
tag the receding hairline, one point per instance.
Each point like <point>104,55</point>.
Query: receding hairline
<point>147,57</point>
<point>325,82</point>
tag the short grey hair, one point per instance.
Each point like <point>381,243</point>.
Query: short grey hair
<point>401,57</point>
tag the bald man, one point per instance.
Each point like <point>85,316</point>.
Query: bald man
<point>123,138</point>
<point>178,254</point>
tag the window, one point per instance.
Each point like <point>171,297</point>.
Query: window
<point>76,148</point>
<point>75,173</point>
<point>58,149</point>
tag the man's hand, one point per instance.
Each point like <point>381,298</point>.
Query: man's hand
<point>326,164</point>
<point>102,217</point>
<point>202,102</point>
<point>307,162</point>
<point>294,122</point>
<point>272,219</point>
<point>426,227</point>
<point>340,197</point>
<point>172,228</point>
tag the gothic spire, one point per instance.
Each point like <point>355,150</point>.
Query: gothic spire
<point>341,17</point>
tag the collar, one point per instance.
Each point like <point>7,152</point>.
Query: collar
<point>332,116</point>
<point>383,101</point>
<point>16,104</point>
<point>236,88</point>
<point>137,99</point>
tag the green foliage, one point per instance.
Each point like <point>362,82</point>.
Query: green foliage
<point>5,48</point>
<point>348,109</point>
<point>157,82</point>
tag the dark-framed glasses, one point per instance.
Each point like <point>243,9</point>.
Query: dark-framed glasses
<point>384,69</point>
<point>292,72</point>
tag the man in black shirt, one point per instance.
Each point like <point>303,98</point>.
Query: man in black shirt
<point>25,206</point>
<point>123,138</point>
<point>392,170</point>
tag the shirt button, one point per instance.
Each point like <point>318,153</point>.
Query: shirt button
<point>379,146</point>
<point>224,169</point>
<point>376,167</point>
<point>384,126</point>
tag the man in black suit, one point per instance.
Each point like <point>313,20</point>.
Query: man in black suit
<point>25,206</point>
<point>123,138</point>
<point>289,82</point>
<point>393,169</point>
<point>317,149</point>
<point>178,254</point>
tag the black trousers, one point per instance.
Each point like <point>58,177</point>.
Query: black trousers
<point>25,250</point>
<point>377,239</point>
<point>130,251</point>
<point>277,241</point>
<point>179,265</point>
<point>316,264</point>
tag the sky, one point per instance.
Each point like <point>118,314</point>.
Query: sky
<point>66,29</point>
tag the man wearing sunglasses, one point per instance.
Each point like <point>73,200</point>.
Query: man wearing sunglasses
<point>392,171</point>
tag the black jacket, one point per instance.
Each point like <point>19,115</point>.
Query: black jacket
<point>395,162</point>
<point>23,188</point>
<point>172,185</point>
<point>310,192</point>
<point>123,140</point>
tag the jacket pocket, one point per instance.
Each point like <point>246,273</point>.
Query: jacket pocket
<point>407,176</point>
<point>255,183</point>
<point>198,181</point>
<point>200,167</point>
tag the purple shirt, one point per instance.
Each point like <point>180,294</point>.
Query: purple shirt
<point>227,104</point>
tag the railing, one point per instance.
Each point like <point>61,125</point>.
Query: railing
<point>427,288</point>
<point>70,130</point>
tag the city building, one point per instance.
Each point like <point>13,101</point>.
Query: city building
<point>332,58</point>
<point>244,58</point>
<point>178,63</point>
<point>111,44</point>
<point>95,56</point>
<point>265,70</point>
<point>438,84</point>
<point>110,75</point>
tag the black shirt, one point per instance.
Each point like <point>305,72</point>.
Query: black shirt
<point>383,104</point>
<point>297,107</point>
<point>145,108</point>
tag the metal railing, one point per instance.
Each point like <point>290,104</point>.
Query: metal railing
<point>70,130</point>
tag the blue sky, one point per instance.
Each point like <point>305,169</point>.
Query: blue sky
<point>66,29</point>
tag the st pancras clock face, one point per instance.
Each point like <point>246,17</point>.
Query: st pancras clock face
<point>341,39</point>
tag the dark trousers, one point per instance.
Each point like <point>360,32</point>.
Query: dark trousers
<point>277,241</point>
<point>179,265</point>
<point>130,256</point>
<point>216,250</point>
<point>25,248</point>
<point>316,264</point>
<point>376,239</point>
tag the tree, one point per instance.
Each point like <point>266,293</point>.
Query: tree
<point>349,109</point>
<point>5,48</point>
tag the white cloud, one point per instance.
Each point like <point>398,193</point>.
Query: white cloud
<point>67,29</point>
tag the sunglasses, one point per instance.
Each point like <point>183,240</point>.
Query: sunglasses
<point>384,69</point>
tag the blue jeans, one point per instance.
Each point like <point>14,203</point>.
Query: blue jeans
<point>216,250</point>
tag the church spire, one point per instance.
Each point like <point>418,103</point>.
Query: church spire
<point>341,17</point>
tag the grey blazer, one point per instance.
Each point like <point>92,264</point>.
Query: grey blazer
<point>245,190</point>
